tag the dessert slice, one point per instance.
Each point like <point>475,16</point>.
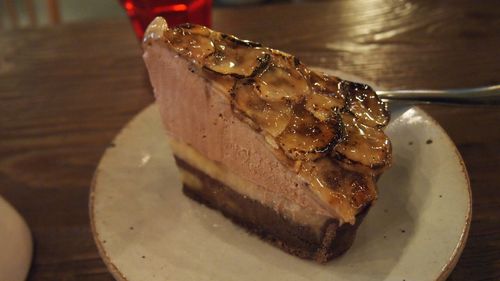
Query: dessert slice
<point>288,153</point>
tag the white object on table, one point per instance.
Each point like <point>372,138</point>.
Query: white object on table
<point>16,245</point>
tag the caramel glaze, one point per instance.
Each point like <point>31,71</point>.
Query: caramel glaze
<point>329,130</point>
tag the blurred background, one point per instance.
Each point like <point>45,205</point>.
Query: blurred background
<point>71,77</point>
<point>32,13</point>
<point>27,13</point>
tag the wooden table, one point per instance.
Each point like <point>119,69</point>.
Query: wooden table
<point>66,91</point>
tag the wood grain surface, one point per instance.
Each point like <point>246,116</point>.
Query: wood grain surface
<point>66,91</point>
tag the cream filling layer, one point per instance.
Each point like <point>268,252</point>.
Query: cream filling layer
<point>286,208</point>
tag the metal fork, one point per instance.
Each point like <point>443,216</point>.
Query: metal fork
<point>489,95</point>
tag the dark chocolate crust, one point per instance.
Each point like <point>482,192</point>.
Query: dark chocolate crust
<point>296,239</point>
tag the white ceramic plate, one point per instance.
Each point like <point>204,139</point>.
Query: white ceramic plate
<point>146,229</point>
<point>15,244</point>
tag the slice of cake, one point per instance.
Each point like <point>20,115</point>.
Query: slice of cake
<point>286,152</point>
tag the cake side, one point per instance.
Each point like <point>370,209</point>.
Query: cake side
<point>267,196</point>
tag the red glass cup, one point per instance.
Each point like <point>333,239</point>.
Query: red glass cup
<point>142,12</point>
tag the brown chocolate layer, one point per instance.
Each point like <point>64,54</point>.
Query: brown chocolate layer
<point>299,240</point>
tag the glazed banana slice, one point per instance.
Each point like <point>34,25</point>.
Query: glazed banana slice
<point>240,61</point>
<point>272,117</point>
<point>359,187</point>
<point>323,106</point>
<point>236,57</point>
<point>196,45</point>
<point>282,84</point>
<point>306,137</point>
<point>363,144</point>
<point>326,99</point>
<point>365,105</point>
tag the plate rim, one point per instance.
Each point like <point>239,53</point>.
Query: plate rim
<point>457,252</point>
<point>112,268</point>
<point>445,271</point>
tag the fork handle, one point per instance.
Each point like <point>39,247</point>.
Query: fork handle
<point>489,95</point>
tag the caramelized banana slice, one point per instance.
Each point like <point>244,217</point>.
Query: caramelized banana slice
<point>283,80</point>
<point>307,138</point>
<point>322,106</point>
<point>326,99</point>
<point>240,62</point>
<point>194,29</point>
<point>363,144</point>
<point>356,187</point>
<point>278,84</point>
<point>365,105</point>
<point>196,45</point>
<point>239,58</point>
<point>329,85</point>
<point>272,117</point>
